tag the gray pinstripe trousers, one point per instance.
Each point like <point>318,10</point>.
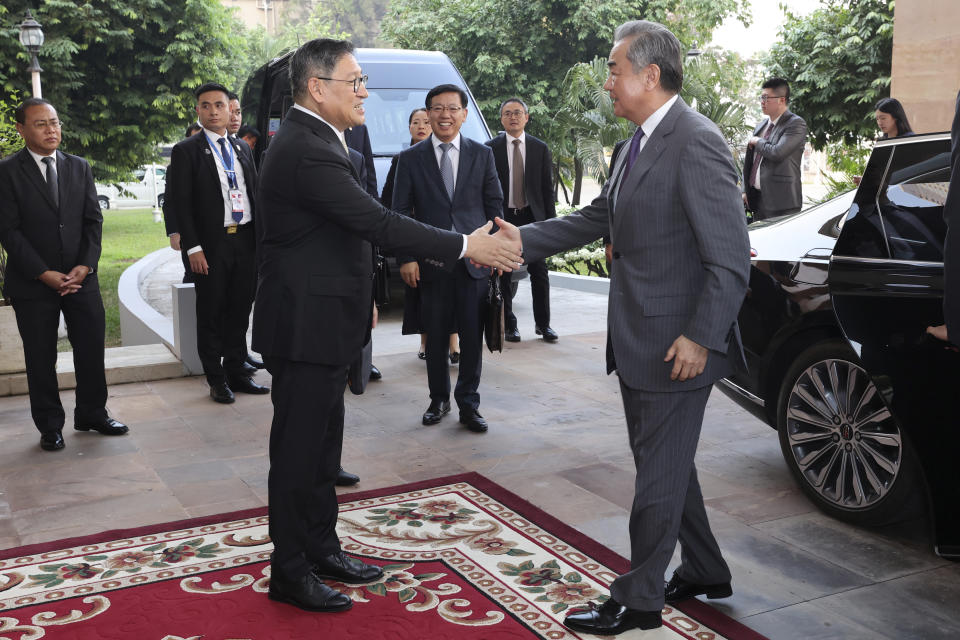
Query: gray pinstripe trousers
<point>667,504</point>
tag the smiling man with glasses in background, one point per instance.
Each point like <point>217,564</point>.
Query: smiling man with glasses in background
<point>771,167</point>
<point>450,182</point>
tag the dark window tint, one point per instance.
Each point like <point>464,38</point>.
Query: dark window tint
<point>862,234</point>
<point>911,201</point>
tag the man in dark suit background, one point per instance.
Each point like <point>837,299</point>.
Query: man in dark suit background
<point>950,330</point>
<point>211,182</point>
<point>680,266</point>
<point>358,139</point>
<point>449,182</point>
<point>771,167</point>
<point>314,310</point>
<point>50,226</point>
<point>527,197</point>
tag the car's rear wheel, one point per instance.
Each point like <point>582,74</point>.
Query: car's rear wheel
<point>104,202</point>
<point>840,440</point>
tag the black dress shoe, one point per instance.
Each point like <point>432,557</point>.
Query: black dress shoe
<point>108,426</point>
<point>253,362</point>
<point>511,335</point>
<point>342,568</point>
<point>435,411</point>
<point>375,373</point>
<point>247,368</point>
<point>422,355</point>
<point>473,420</point>
<point>679,589</point>
<point>221,393</point>
<point>346,479</point>
<point>611,618</point>
<point>307,593</point>
<point>454,357</point>
<point>244,384</point>
<point>51,440</point>
<point>549,335</point>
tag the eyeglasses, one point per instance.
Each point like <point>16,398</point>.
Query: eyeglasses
<point>438,110</point>
<point>43,124</point>
<point>356,82</point>
<point>769,98</point>
<point>513,114</point>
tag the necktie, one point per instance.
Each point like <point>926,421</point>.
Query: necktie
<point>755,169</point>
<point>52,179</point>
<point>446,168</point>
<point>231,174</point>
<point>632,154</point>
<point>516,179</point>
<point>346,150</point>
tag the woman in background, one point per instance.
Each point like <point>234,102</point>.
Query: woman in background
<point>419,124</point>
<point>892,119</point>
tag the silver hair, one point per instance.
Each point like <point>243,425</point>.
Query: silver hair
<point>315,58</point>
<point>653,43</point>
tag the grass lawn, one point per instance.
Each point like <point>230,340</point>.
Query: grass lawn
<point>128,235</point>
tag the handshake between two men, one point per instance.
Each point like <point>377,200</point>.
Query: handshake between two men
<point>501,250</point>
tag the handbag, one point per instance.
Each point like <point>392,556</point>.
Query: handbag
<point>493,327</point>
<point>358,375</point>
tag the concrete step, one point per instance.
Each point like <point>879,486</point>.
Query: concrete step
<point>123,364</point>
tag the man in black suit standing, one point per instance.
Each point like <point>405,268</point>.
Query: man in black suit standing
<point>212,183</point>
<point>314,311</point>
<point>50,226</point>
<point>449,182</point>
<point>950,330</point>
<point>358,139</point>
<point>525,167</point>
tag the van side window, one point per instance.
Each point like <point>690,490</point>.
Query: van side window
<point>911,201</point>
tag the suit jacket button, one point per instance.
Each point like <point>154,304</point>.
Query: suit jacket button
<point>616,255</point>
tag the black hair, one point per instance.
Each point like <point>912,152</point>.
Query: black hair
<point>892,107</point>
<point>192,128</point>
<point>247,130</point>
<point>314,58</point>
<point>446,88</point>
<point>514,99</point>
<point>20,113</point>
<point>777,84</point>
<point>211,86</point>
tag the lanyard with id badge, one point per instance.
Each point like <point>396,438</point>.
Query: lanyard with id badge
<point>234,193</point>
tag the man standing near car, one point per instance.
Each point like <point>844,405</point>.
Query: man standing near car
<point>314,310</point>
<point>450,182</point>
<point>681,257</point>
<point>950,330</point>
<point>771,166</point>
<point>212,183</point>
<point>50,227</point>
<point>525,168</point>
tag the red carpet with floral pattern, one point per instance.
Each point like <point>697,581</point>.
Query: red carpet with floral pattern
<point>463,559</point>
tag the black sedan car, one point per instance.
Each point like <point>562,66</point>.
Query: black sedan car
<point>867,405</point>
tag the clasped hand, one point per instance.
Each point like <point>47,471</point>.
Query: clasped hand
<point>65,283</point>
<point>501,250</point>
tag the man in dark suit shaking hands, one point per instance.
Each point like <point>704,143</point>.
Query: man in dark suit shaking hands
<point>449,182</point>
<point>680,265</point>
<point>314,310</point>
<point>50,226</point>
<point>526,169</point>
<point>211,183</point>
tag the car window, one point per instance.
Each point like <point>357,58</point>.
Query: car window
<point>388,115</point>
<point>161,173</point>
<point>138,174</point>
<point>863,234</point>
<point>911,202</point>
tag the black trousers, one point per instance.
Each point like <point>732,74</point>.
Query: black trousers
<point>224,299</point>
<point>539,282</point>
<point>37,320</point>
<point>452,302</point>
<point>306,439</point>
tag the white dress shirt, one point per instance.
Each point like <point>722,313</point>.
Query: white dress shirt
<point>523,154</point>
<point>39,160</point>
<point>650,124</point>
<point>212,138</point>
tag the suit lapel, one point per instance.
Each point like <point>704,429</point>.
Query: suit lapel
<point>30,168</point>
<point>64,175</point>
<point>468,158</point>
<point>207,158</point>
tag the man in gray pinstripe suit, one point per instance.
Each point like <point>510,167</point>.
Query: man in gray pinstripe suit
<point>681,257</point>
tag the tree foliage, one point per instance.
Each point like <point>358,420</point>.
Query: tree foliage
<point>526,48</point>
<point>837,60</point>
<point>121,72</point>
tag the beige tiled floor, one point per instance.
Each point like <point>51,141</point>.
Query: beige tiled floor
<point>556,438</point>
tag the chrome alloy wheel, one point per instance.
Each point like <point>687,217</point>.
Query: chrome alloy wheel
<point>844,441</point>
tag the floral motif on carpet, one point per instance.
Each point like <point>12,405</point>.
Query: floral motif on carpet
<point>457,563</point>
